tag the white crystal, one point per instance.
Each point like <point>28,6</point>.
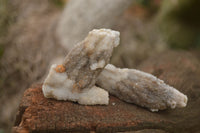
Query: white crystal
<point>99,64</point>
<point>58,86</point>
<point>75,78</point>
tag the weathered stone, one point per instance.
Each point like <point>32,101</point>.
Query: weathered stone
<point>74,80</point>
<point>179,69</point>
<point>48,115</point>
<point>148,131</point>
<point>141,88</point>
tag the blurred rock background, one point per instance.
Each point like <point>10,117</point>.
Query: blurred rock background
<point>35,34</point>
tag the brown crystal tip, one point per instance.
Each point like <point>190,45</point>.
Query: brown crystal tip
<point>60,69</point>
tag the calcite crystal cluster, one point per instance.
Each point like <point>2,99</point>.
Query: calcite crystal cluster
<point>75,79</point>
<point>86,66</point>
<point>141,88</point>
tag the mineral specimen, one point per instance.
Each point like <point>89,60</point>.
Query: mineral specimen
<point>75,78</point>
<point>84,66</point>
<point>140,88</point>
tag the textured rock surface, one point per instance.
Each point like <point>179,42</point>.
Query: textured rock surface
<point>75,79</point>
<point>39,114</point>
<point>141,88</point>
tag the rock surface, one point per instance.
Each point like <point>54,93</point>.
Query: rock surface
<point>75,79</point>
<point>179,69</point>
<point>140,88</point>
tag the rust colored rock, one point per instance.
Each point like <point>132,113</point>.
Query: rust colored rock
<point>39,114</point>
